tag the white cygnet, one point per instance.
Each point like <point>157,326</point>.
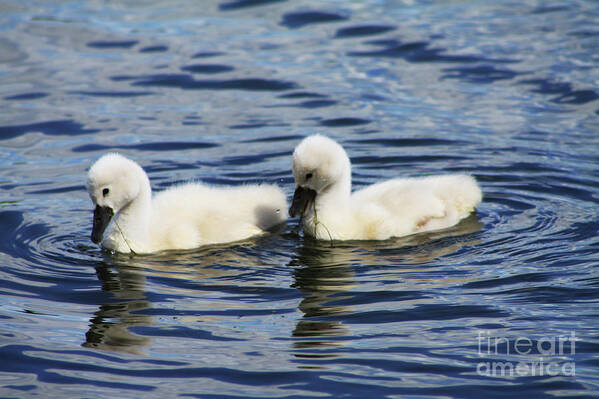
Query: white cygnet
<point>393,208</point>
<point>181,217</point>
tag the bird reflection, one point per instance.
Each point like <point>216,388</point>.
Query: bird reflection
<point>426,247</point>
<point>322,273</point>
<point>109,328</point>
<point>326,273</point>
<point>125,279</point>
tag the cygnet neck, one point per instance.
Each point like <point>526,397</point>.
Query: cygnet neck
<point>132,223</point>
<point>336,196</point>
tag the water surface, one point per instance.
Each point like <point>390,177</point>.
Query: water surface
<point>222,92</point>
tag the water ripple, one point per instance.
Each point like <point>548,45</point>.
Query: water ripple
<point>363,30</point>
<point>295,20</point>
<point>53,128</point>
<point>185,81</point>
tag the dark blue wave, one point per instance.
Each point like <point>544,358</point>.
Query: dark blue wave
<point>423,312</point>
<point>584,33</point>
<point>503,281</point>
<point>207,68</point>
<point>10,222</point>
<point>566,93</point>
<point>302,94</point>
<point>58,190</point>
<point>577,97</point>
<point>252,159</point>
<point>179,332</point>
<point>187,82</point>
<point>270,139</point>
<point>408,142</point>
<point>155,146</point>
<point>27,96</point>
<point>419,51</point>
<point>207,54</point>
<point>251,125</point>
<point>363,30</point>
<point>239,4</point>
<point>52,128</point>
<point>295,20</point>
<point>404,159</point>
<point>479,74</point>
<point>123,94</point>
<point>316,103</point>
<point>343,122</point>
<point>154,49</point>
<point>550,9</point>
<point>22,359</point>
<point>112,44</point>
<point>549,294</point>
<point>321,103</point>
<point>366,297</point>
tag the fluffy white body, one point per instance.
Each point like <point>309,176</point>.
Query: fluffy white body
<point>393,208</point>
<point>181,217</point>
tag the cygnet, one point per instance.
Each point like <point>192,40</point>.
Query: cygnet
<point>392,208</point>
<point>181,217</point>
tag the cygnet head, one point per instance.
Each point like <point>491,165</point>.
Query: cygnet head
<point>319,164</point>
<point>113,182</point>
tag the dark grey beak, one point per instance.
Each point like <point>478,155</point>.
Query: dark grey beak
<point>102,216</point>
<point>302,198</point>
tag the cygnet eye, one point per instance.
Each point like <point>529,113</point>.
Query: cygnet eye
<point>308,176</point>
<point>105,192</point>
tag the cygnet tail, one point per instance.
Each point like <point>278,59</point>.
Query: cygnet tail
<point>461,194</point>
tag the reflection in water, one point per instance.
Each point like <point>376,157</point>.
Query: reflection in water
<point>325,271</point>
<point>322,272</point>
<point>208,266</point>
<point>210,279</point>
<point>109,326</point>
<point>434,244</point>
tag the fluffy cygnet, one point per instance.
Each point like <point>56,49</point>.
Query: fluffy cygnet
<point>393,208</point>
<point>181,217</point>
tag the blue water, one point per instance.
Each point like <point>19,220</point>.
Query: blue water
<point>222,92</point>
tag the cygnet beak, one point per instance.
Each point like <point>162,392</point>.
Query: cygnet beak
<point>302,198</point>
<point>102,216</point>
